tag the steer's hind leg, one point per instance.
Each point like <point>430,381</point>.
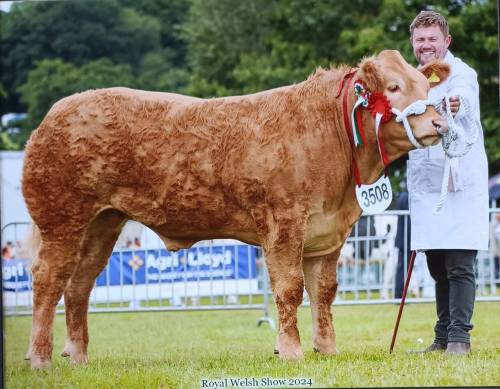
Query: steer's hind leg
<point>55,262</point>
<point>321,284</point>
<point>284,259</point>
<point>97,246</point>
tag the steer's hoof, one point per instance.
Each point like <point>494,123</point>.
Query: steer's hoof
<point>276,351</point>
<point>65,353</point>
<point>27,356</point>
<point>325,350</point>
<point>39,363</point>
<point>76,351</point>
<point>292,355</point>
<point>79,359</point>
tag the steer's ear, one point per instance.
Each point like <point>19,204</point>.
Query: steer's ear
<point>436,72</point>
<point>370,74</point>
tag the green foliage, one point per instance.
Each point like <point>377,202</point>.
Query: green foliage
<point>286,63</point>
<point>158,72</point>
<point>7,143</point>
<point>218,32</point>
<point>170,14</point>
<point>76,32</point>
<point>3,93</point>
<point>53,79</point>
<point>476,42</point>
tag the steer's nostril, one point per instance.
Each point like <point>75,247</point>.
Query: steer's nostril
<point>439,127</point>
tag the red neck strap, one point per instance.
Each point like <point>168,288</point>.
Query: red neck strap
<point>378,104</point>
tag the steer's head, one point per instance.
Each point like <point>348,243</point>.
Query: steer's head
<point>402,84</point>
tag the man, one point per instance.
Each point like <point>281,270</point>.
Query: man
<point>451,238</point>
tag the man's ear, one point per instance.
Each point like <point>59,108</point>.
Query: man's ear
<point>369,73</point>
<point>436,72</point>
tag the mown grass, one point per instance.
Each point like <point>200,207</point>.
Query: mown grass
<point>179,349</point>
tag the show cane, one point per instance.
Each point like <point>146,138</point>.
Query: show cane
<point>403,298</point>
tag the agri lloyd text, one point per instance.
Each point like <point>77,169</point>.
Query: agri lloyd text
<point>193,259</point>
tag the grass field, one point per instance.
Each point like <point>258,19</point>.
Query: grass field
<point>180,349</point>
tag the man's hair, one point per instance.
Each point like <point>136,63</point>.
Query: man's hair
<point>429,18</point>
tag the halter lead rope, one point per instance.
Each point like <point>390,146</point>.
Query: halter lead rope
<point>457,142</point>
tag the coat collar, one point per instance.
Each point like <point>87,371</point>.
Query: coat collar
<point>449,57</point>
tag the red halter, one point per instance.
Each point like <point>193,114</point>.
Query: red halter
<point>347,124</point>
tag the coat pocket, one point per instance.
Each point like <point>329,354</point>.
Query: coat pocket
<point>425,175</point>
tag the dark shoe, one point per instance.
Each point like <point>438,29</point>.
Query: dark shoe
<point>432,348</point>
<point>458,348</point>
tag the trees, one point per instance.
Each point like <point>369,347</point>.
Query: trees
<point>53,79</point>
<point>476,41</point>
<point>76,32</point>
<point>222,47</point>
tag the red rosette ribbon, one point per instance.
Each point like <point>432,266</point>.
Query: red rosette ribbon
<point>378,103</point>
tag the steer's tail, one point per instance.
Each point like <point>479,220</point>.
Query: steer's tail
<point>32,242</point>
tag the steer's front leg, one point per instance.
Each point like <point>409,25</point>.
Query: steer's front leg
<point>287,282</point>
<point>321,285</point>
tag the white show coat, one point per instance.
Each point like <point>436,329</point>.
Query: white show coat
<point>464,220</point>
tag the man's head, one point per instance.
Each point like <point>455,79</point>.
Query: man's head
<point>429,36</point>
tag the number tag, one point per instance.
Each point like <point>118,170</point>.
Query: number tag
<point>375,198</point>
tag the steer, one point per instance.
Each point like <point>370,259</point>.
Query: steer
<point>273,169</point>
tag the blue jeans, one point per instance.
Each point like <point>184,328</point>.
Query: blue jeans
<point>453,271</point>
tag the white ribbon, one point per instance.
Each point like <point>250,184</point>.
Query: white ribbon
<point>359,101</point>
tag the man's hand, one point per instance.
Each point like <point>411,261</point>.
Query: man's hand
<point>454,105</point>
<point>441,126</point>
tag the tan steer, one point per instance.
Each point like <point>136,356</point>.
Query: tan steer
<point>272,169</point>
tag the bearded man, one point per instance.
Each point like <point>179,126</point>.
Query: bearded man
<point>452,237</point>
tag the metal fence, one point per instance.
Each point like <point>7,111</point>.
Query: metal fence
<point>224,274</point>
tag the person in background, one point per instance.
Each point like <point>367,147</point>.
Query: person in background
<point>495,245</point>
<point>363,244</point>
<point>451,238</point>
<point>8,252</point>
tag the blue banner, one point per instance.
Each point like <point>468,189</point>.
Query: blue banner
<point>195,264</point>
<point>154,266</point>
<point>15,275</point>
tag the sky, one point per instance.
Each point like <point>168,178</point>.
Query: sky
<point>5,5</point>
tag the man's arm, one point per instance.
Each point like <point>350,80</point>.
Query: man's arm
<point>463,83</point>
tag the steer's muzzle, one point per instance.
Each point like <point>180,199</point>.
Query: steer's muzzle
<point>429,127</point>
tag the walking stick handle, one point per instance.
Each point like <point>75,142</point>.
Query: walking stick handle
<point>403,299</point>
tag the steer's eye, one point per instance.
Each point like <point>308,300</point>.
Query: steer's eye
<point>393,88</point>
